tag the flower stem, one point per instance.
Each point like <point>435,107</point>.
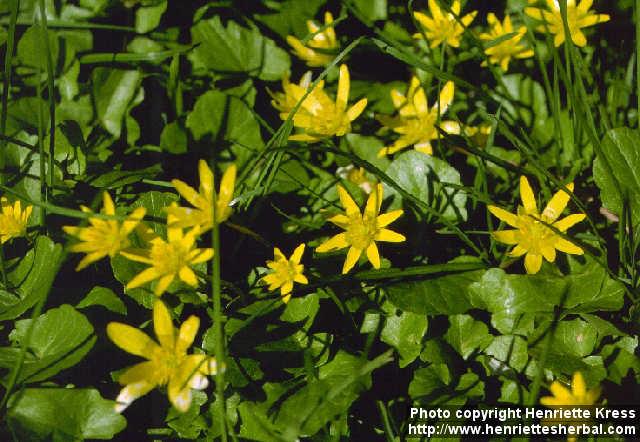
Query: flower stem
<point>218,330</point>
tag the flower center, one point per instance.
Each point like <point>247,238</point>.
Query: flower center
<point>534,233</point>
<point>285,270</point>
<point>361,230</point>
<point>169,258</point>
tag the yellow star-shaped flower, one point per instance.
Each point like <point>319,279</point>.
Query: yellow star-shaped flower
<point>13,220</point>
<point>416,122</point>
<point>443,27</point>
<point>169,260</point>
<point>103,237</point>
<point>286,100</point>
<point>167,360</point>
<point>362,230</point>
<point>284,272</point>
<point>508,47</point>
<point>201,214</point>
<point>321,47</point>
<point>578,17</point>
<point>320,117</point>
<point>578,395</point>
<point>531,236</point>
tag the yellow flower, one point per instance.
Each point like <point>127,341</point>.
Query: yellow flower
<point>167,361</point>
<point>169,259</point>
<point>477,134</point>
<point>321,48</point>
<point>362,230</point>
<point>284,272</point>
<point>578,17</point>
<point>416,122</point>
<point>501,53</point>
<point>202,213</point>
<point>320,117</point>
<point>357,176</point>
<point>103,237</point>
<point>443,26</point>
<point>531,236</point>
<point>286,101</point>
<point>13,220</point>
<point>579,395</point>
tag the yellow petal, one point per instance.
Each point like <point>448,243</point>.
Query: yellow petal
<point>344,83</point>
<point>352,258</point>
<point>506,236</point>
<point>187,334</point>
<point>549,253</point>
<point>578,386</point>
<point>163,284</point>
<point>386,235</point>
<point>131,340</point>
<point>107,204</point>
<point>163,325</point>
<point>532,263</point>
<point>144,371</point>
<point>339,241</point>
<point>373,255</point>
<point>226,187</point>
<point>526,194</point>
<point>565,223</point>
<point>385,219</point>
<point>558,203</point>
<point>143,277</point>
<point>347,202</point>
<point>505,216</point>
<point>296,256</point>
<point>374,201</point>
<point>187,276</point>
<point>355,110</point>
<point>446,97</point>
<point>206,179</point>
<point>567,247</point>
<point>130,393</point>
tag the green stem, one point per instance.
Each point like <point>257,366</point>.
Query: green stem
<point>217,321</point>
<point>637,5</point>
<point>51,92</point>
<point>5,100</point>
<point>388,432</point>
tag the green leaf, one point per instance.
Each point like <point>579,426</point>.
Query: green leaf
<point>32,51</point>
<point>510,350</point>
<point>113,92</point>
<point>574,338</point>
<point>191,424</point>
<point>528,103</point>
<point>215,111</point>
<point>499,292</point>
<point>429,380</point>
<point>32,278</point>
<point>60,339</point>
<point>322,400</point>
<point>466,335</point>
<point>404,333</point>
<point>372,9</point>
<point>300,308</point>
<point>440,295</point>
<point>291,16</point>
<point>621,357</point>
<point>63,414</point>
<point>235,49</point>
<point>425,177</point>
<point>119,178</point>
<point>173,138</point>
<point>148,17</point>
<point>615,171</point>
<point>104,297</point>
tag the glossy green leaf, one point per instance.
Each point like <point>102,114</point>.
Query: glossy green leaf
<point>113,91</point>
<point>509,350</point>
<point>63,414</point>
<point>466,335</point>
<point>615,171</point>
<point>53,348</point>
<point>404,332</point>
<point>32,278</point>
<point>106,298</point>
<point>236,49</point>
<point>426,177</point>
